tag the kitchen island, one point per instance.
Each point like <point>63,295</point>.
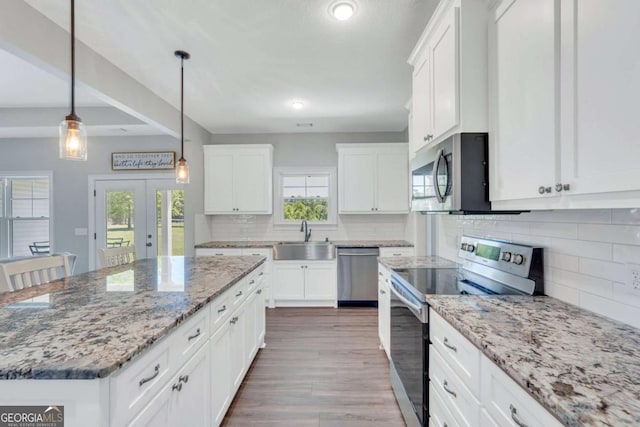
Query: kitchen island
<point>107,344</point>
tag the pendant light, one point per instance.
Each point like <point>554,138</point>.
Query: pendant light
<point>73,134</point>
<point>182,169</point>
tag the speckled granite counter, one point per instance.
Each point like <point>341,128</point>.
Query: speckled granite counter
<point>89,325</point>
<point>268,244</point>
<point>582,367</point>
<point>416,262</point>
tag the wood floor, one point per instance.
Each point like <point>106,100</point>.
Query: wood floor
<point>321,367</point>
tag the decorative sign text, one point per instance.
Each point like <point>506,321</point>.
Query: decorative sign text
<point>143,161</point>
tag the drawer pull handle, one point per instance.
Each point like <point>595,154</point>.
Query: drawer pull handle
<point>223,309</point>
<point>183,379</point>
<point>514,416</point>
<point>449,346</point>
<point>445,385</point>
<point>255,254</point>
<point>176,387</point>
<point>379,273</point>
<point>261,273</point>
<point>382,292</point>
<point>234,320</point>
<point>219,254</point>
<point>155,374</point>
<point>196,335</point>
<point>259,291</point>
<point>239,294</point>
<point>397,254</point>
<point>252,282</point>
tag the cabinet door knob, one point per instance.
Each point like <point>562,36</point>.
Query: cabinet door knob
<point>566,187</point>
<point>559,188</point>
<point>541,189</point>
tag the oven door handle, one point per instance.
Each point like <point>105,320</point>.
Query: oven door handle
<point>406,301</point>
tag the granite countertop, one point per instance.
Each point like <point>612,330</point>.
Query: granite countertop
<point>89,325</point>
<point>416,262</point>
<point>268,243</point>
<point>584,368</point>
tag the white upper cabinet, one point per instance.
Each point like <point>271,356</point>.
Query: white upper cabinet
<point>373,178</point>
<point>524,136</point>
<point>563,107</point>
<point>450,73</point>
<point>600,80</point>
<point>238,179</point>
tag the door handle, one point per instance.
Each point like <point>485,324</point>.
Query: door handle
<point>149,244</point>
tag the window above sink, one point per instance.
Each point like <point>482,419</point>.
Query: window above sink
<point>305,194</point>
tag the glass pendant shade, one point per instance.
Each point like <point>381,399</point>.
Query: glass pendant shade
<point>182,172</point>
<point>73,140</point>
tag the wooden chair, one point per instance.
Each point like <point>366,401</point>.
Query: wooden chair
<point>39,248</point>
<point>33,272</point>
<point>110,257</point>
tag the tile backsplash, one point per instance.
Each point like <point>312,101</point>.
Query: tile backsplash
<point>261,227</point>
<point>587,252</point>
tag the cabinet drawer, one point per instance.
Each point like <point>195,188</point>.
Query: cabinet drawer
<point>462,356</point>
<point>138,383</point>
<point>219,310</point>
<point>255,278</point>
<point>391,252</point>
<point>486,420</point>
<point>238,294</point>
<point>507,402</point>
<point>189,337</point>
<point>439,414</point>
<point>456,396</point>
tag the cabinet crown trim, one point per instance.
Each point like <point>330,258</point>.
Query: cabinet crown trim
<point>398,145</point>
<point>214,147</point>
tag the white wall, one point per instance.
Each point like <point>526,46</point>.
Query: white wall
<point>70,181</point>
<point>586,252</point>
<point>317,149</point>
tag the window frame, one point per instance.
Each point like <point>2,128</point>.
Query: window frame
<point>278,210</point>
<point>6,220</point>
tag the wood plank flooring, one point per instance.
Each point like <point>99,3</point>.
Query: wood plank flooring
<point>321,367</point>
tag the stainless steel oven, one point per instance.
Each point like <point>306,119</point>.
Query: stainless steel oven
<point>490,268</point>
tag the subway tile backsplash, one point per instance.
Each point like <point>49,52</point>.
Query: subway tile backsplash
<point>586,252</point>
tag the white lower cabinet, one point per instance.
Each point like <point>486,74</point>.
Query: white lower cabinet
<point>304,283</point>
<point>192,375</point>
<point>184,400</point>
<point>221,395</point>
<point>467,389</point>
<point>384,309</point>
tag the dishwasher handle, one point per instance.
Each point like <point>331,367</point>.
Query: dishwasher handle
<point>357,254</point>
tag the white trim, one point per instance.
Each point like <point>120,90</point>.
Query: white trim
<point>91,226</point>
<point>279,172</point>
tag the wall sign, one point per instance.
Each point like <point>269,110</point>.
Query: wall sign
<point>160,160</point>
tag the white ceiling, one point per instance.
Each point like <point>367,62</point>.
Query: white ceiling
<point>23,85</point>
<point>252,58</point>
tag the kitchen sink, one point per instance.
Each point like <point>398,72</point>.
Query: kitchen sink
<point>304,251</point>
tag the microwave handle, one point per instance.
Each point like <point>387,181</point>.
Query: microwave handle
<point>439,158</point>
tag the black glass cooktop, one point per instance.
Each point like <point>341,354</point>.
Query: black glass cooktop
<point>441,281</point>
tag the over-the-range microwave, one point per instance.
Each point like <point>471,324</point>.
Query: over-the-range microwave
<point>453,176</point>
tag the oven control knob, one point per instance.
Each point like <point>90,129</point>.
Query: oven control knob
<point>463,246</point>
<point>471,248</point>
<point>506,256</point>
<point>518,259</point>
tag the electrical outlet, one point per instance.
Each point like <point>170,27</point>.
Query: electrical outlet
<point>633,276</point>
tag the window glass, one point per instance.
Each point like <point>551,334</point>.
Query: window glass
<point>306,197</point>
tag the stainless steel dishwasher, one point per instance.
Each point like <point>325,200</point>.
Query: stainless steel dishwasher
<point>358,277</point>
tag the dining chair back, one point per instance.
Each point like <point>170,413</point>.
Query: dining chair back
<point>110,257</point>
<point>39,248</point>
<point>33,271</point>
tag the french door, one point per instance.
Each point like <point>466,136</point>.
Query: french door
<point>147,213</point>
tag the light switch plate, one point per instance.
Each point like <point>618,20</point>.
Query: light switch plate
<point>80,231</point>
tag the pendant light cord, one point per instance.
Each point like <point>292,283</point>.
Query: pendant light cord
<point>182,108</point>
<point>73,58</point>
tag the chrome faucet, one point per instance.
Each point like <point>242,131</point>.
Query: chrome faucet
<point>304,227</point>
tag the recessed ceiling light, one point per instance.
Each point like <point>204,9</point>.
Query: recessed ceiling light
<point>297,105</point>
<point>342,11</point>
